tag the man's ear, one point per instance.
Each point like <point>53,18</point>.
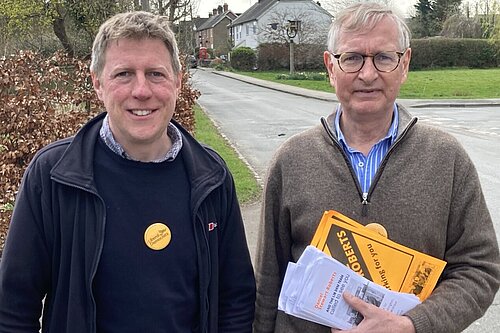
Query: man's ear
<point>97,84</point>
<point>330,68</point>
<point>406,65</point>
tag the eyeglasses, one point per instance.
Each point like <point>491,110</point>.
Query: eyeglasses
<point>352,62</point>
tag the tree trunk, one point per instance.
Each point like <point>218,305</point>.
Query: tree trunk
<point>172,8</point>
<point>59,27</point>
<point>145,5</point>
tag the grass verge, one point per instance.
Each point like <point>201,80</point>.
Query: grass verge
<point>456,83</point>
<point>247,187</point>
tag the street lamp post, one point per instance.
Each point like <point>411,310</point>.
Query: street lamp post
<point>292,29</point>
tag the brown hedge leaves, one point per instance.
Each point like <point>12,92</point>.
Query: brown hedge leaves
<point>43,100</point>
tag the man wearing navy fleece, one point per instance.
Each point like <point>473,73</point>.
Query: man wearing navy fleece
<point>131,225</point>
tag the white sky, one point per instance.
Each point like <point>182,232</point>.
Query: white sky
<point>239,6</point>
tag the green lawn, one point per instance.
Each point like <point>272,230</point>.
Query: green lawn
<point>432,84</point>
<point>247,186</point>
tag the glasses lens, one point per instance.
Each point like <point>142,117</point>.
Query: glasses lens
<point>386,61</point>
<point>351,62</point>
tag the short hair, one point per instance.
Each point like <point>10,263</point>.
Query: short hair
<point>136,25</point>
<point>364,16</point>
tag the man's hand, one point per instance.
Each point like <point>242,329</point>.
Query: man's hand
<point>377,320</point>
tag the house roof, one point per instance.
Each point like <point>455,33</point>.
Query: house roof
<point>254,12</point>
<point>262,6</point>
<point>213,20</point>
<point>199,21</point>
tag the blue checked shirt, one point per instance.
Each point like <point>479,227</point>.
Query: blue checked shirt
<point>366,167</point>
<point>173,133</point>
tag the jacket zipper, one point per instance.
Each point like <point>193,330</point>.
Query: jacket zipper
<point>204,301</point>
<point>365,197</point>
<point>99,249</point>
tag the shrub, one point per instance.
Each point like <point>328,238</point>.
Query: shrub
<point>43,100</point>
<point>243,58</point>
<point>275,56</point>
<point>453,52</point>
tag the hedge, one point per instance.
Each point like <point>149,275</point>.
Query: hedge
<point>426,53</point>
<point>272,56</point>
<point>43,99</point>
<point>454,52</point>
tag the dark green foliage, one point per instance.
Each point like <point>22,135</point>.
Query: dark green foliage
<point>243,58</point>
<point>430,16</point>
<point>423,23</point>
<point>454,52</point>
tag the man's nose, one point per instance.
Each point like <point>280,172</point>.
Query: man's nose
<point>368,72</point>
<point>142,87</point>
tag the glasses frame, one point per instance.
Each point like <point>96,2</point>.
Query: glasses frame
<point>338,55</point>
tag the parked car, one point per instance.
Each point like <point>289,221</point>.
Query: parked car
<point>191,61</point>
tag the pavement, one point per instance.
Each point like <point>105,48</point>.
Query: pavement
<point>251,211</point>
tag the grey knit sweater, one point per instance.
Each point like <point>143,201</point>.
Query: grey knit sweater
<point>427,195</point>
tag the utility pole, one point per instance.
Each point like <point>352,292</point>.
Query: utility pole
<point>292,57</point>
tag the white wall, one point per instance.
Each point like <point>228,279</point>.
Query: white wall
<point>314,25</point>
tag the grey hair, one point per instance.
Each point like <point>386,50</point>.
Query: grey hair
<point>363,17</point>
<point>136,25</point>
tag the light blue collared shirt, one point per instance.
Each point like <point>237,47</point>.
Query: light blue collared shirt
<point>173,133</point>
<point>366,167</point>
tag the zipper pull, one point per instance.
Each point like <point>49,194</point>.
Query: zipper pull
<point>364,209</point>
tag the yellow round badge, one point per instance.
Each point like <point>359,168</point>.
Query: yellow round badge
<point>378,228</point>
<point>157,236</point>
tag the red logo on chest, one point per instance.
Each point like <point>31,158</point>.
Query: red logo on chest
<point>212,226</point>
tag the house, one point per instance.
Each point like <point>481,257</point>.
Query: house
<point>276,20</point>
<point>215,33</point>
<point>187,41</point>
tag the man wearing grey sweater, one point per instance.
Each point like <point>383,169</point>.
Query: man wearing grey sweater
<point>372,161</point>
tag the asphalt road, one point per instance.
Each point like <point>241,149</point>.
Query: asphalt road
<point>256,118</point>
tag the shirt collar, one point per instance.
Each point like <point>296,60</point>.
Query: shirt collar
<point>172,131</point>
<point>392,133</point>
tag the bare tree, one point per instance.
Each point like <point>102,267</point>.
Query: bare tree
<point>294,25</point>
<point>334,6</point>
<point>276,30</point>
<point>461,26</point>
<point>176,10</point>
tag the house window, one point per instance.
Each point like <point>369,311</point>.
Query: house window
<point>247,28</point>
<point>254,27</point>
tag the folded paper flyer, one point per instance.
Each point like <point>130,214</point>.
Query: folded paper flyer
<point>377,258</point>
<point>313,288</point>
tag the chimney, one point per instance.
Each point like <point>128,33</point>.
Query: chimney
<point>214,11</point>
<point>219,9</point>
<point>209,14</point>
<point>225,7</point>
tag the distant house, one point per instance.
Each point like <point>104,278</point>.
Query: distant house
<point>215,33</point>
<point>269,21</point>
<point>186,39</point>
